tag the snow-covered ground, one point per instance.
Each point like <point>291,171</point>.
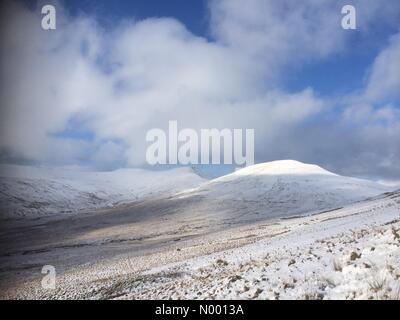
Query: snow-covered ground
<point>280,230</point>
<point>351,253</point>
<point>36,191</point>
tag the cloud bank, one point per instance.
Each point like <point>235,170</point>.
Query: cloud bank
<point>88,94</point>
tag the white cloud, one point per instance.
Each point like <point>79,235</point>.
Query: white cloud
<point>384,81</point>
<point>160,72</point>
<point>287,32</point>
<point>120,83</point>
<point>276,30</point>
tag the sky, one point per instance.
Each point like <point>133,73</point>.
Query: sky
<point>87,92</point>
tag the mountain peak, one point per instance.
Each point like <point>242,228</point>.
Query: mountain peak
<point>283,167</point>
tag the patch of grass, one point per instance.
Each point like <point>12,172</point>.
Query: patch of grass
<point>257,293</point>
<point>330,282</point>
<point>288,285</point>
<point>377,284</point>
<point>235,278</point>
<point>395,233</point>
<point>354,256</point>
<point>222,262</point>
<point>314,296</point>
<point>292,261</point>
<point>337,266</point>
<point>395,294</point>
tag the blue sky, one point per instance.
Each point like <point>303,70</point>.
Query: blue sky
<point>312,91</point>
<point>191,13</point>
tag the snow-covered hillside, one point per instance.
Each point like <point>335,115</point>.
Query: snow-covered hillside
<point>284,188</point>
<point>36,191</point>
<point>350,253</point>
<point>251,234</point>
<point>267,190</point>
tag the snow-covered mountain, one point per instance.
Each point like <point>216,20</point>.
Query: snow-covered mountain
<point>35,191</point>
<point>282,188</point>
<point>267,190</point>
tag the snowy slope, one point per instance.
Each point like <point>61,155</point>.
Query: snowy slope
<point>351,253</point>
<point>35,191</point>
<point>348,253</point>
<point>274,189</point>
<point>283,188</point>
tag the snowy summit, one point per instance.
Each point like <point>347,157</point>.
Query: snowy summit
<point>283,167</point>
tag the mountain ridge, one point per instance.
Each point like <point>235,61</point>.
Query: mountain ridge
<point>277,188</point>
